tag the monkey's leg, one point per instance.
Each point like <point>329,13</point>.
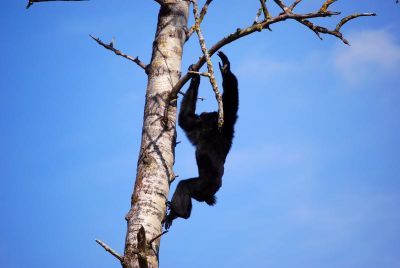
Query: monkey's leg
<point>181,202</point>
<point>203,190</point>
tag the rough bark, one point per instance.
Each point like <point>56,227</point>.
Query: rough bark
<point>156,157</point>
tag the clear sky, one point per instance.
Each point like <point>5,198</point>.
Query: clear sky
<point>313,178</point>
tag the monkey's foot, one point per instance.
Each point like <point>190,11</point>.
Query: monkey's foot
<point>168,222</point>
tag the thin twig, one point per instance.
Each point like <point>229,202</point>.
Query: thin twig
<point>209,64</point>
<point>119,53</point>
<point>156,250</point>
<point>336,32</point>
<point>158,236</point>
<point>351,17</point>
<point>110,250</point>
<point>281,5</point>
<point>31,2</point>
<point>199,73</point>
<point>316,29</point>
<point>203,12</point>
<point>295,3</point>
<point>265,9</point>
<point>326,5</point>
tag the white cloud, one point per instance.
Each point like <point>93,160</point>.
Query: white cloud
<point>372,54</point>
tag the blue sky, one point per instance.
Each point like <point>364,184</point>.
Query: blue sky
<point>312,179</point>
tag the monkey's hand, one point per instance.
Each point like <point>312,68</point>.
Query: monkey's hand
<point>191,68</point>
<point>195,76</point>
<point>226,65</point>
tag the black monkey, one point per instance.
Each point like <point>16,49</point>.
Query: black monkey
<point>212,144</point>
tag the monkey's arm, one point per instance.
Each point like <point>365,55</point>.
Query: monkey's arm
<point>188,120</point>
<point>230,97</point>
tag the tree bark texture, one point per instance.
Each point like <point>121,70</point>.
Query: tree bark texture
<point>157,152</point>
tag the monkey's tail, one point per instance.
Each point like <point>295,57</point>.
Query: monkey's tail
<point>211,201</point>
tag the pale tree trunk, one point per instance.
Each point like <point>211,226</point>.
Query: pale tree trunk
<point>156,157</point>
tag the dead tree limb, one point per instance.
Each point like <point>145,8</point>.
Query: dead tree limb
<point>265,9</point>
<point>210,66</point>
<point>326,5</point>
<point>287,14</point>
<point>110,250</point>
<point>119,53</point>
<point>203,12</point>
<point>31,2</point>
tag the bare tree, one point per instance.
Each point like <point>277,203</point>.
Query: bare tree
<point>156,157</point>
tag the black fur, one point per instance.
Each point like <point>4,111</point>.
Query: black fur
<point>212,144</point>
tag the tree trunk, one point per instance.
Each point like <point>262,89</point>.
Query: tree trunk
<point>156,157</point>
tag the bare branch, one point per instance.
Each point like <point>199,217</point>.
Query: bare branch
<point>351,17</point>
<point>326,5</point>
<point>281,5</point>
<point>209,65</point>
<point>110,250</point>
<point>203,12</point>
<point>158,236</point>
<point>287,14</point>
<point>31,2</point>
<point>295,3</point>
<point>316,29</point>
<point>199,73</point>
<point>199,98</point>
<point>265,9</point>
<point>119,53</point>
<point>336,32</point>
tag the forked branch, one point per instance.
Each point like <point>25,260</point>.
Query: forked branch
<point>336,32</point>
<point>203,12</point>
<point>210,67</point>
<point>287,14</point>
